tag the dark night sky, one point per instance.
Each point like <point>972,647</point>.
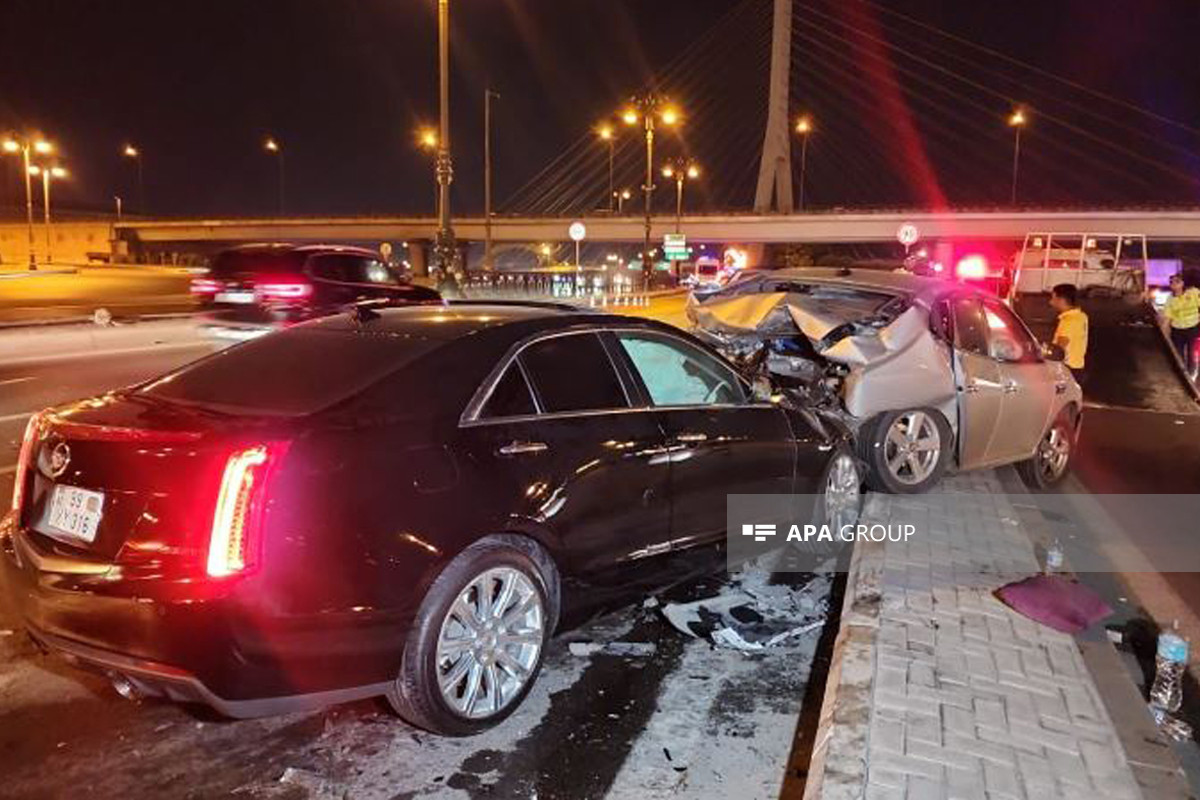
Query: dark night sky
<point>344,83</point>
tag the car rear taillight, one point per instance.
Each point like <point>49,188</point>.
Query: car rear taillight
<point>234,544</point>
<point>23,459</point>
<point>205,286</point>
<point>284,291</point>
<point>972,268</point>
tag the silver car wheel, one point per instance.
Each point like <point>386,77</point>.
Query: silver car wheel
<point>912,447</point>
<point>489,642</point>
<point>1054,453</point>
<point>843,493</point>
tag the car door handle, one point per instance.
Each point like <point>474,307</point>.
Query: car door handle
<point>692,437</point>
<point>518,448</point>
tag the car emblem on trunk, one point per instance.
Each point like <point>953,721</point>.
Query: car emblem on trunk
<point>60,457</point>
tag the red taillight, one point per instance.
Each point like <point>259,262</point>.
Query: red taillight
<point>23,459</point>
<point>205,286</point>
<point>284,291</point>
<point>972,268</point>
<point>233,546</point>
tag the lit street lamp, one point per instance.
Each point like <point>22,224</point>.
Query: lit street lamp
<point>427,140</point>
<point>608,136</point>
<point>46,174</point>
<point>1016,121</point>
<point>14,146</point>
<point>621,197</point>
<point>680,170</point>
<point>133,153</point>
<point>804,127</point>
<point>117,200</point>
<point>271,145</point>
<point>649,109</point>
<point>444,249</point>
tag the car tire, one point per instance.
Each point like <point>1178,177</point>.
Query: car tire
<point>1052,461</point>
<point>458,641</point>
<point>898,471</point>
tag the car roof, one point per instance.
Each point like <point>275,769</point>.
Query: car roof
<point>460,319</point>
<point>891,282</point>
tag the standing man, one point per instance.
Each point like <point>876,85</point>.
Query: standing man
<point>1071,334</point>
<point>1182,313</point>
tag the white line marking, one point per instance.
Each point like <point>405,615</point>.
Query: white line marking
<point>11,381</point>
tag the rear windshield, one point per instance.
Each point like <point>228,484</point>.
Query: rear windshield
<point>255,262</point>
<point>289,373</point>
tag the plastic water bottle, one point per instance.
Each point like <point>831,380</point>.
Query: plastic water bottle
<point>1171,660</point>
<point>1054,557</point>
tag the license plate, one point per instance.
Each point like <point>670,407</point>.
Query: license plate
<point>234,297</point>
<point>76,512</point>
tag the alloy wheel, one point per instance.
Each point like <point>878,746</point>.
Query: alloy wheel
<point>489,642</point>
<point>843,493</point>
<point>1054,453</point>
<point>912,447</point>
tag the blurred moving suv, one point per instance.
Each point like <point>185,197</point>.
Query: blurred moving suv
<point>251,289</point>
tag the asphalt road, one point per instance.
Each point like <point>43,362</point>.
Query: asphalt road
<point>128,290</point>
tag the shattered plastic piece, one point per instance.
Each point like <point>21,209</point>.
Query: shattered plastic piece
<point>650,602</point>
<point>303,778</point>
<point>635,649</point>
<point>754,614</point>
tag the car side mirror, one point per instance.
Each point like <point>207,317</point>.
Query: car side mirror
<point>1005,350</point>
<point>1053,352</point>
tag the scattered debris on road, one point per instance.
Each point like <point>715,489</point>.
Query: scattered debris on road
<point>628,649</point>
<point>753,612</point>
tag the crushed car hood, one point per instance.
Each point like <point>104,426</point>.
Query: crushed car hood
<point>843,329</point>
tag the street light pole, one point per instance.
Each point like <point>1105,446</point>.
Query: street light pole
<point>273,146</point>
<point>136,154</point>
<point>606,134</point>
<point>117,200</point>
<point>42,147</point>
<point>445,252</point>
<point>804,128</point>
<point>46,174</point>
<point>645,108</point>
<point>488,96</point>
<point>1016,121</point>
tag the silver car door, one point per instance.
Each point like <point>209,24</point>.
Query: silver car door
<point>978,382</point>
<point>1028,384</point>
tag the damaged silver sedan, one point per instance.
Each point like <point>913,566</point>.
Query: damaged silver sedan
<point>931,375</point>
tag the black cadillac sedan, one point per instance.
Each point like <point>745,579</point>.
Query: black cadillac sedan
<point>395,503</point>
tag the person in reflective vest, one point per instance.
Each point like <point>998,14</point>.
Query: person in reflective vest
<point>1182,314</point>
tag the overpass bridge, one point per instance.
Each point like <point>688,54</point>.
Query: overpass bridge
<point>1175,225</point>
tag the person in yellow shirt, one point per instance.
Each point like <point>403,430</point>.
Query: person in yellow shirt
<point>1071,333</point>
<point>1182,314</point>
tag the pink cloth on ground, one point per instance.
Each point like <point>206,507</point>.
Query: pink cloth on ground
<point>1053,600</point>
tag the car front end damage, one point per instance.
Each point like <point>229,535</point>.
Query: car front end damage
<point>855,352</point>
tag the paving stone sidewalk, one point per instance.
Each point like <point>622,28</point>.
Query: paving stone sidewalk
<point>944,692</point>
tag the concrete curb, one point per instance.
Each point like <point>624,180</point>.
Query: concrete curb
<point>837,768</point>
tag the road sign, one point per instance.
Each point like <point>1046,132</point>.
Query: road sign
<point>908,235</point>
<point>675,246</point>
<point>577,231</point>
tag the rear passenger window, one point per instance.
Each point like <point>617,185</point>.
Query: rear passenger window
<point>573,373</point>
<point>510,397</point>
<point>970,327</point>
